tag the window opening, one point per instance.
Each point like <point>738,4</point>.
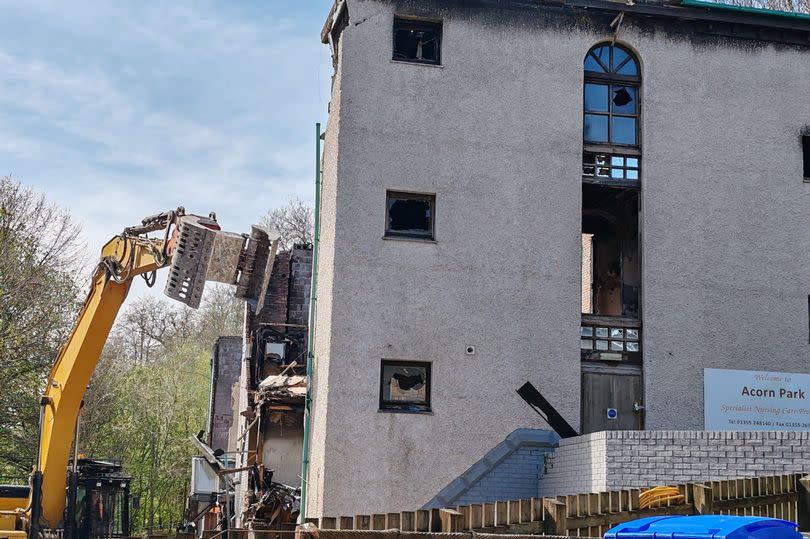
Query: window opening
<point>613,273</point>
<point>409,215</point>
<point>417,41</point>
<point>405,386</point>
<point>611,116</point>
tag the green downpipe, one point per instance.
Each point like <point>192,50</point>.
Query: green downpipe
<point>313,300</point>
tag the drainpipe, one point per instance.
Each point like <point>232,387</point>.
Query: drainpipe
<point>313,297</point>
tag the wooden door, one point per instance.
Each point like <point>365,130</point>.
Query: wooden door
<point>611,402</point>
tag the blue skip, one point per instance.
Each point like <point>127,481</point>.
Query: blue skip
<point>705,527</point>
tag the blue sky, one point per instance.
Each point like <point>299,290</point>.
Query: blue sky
<point>118,110</point>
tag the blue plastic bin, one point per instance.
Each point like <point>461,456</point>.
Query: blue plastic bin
<point>705,527</point>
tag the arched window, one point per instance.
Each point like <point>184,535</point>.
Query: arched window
<point>611,129</point>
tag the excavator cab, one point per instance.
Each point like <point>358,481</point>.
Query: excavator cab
<point>98,505</point>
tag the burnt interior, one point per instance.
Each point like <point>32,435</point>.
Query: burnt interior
<point>611,272</point>
<point>417,41</point>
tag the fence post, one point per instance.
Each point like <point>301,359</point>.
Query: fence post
<point>803,513</point>
<point>704,499</point>
<point>451,520</point>
<point>556,522</point>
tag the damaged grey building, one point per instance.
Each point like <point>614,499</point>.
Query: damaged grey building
<point>600,198</point>
<point>258,391</point>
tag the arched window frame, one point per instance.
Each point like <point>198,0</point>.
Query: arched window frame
<point>612,158</point>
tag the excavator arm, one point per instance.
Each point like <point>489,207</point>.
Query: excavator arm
<point>78,357</point>
<point>197,251</point>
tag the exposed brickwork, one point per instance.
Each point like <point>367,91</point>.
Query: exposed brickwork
<point>226,367</point>
<point>628,459</point>
<point>275,298</point>
<point>287,296</point>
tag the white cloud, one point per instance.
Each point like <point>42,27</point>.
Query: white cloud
<point>122,110</point>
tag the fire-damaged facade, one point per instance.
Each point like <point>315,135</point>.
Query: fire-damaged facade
<point>255,432</point>
<point>600,198</point>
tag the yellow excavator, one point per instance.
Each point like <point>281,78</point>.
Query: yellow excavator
<point>79,498</point>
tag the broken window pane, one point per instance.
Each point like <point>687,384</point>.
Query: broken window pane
<point>410,215</point>
<point>632,334</point>
<point>596,97</point>
<point>596,128</point>
<point>417,41</point>
<point>632,347</point>
<point>623,99</point>
<point>617,167</point>
<point>616,333</point>
<point>405,386</point>
<point>617,346</point>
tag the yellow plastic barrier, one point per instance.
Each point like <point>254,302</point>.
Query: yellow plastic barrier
<point>660,496</point>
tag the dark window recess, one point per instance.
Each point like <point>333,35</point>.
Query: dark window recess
<point>409,215</point>
<point>417,41</point>
<point>405,386</point>
<point>806,154</point>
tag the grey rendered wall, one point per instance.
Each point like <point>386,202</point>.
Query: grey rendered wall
<point>496,134</point>
<point>726,227</point>
<point>505,259</point>
<point>633,459</point>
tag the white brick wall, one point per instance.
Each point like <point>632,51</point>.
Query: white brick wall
<point>628,459</point>
<point>577,461</point>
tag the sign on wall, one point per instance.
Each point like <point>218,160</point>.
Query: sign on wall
<point>755,400</point>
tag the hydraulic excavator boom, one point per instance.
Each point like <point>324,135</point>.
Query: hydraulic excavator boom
<point>197,251</point>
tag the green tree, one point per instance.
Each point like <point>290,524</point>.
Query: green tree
<point>40,258</point>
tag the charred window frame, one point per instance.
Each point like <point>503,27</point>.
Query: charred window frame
<point>417,41</point>
<point>405,386</point>
<point>410,215</point>
<point>806,154</point>
<point>611,127</point>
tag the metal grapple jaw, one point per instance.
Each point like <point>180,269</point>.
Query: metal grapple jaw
<point>201,252</point>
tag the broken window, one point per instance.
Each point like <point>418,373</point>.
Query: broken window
<point>619,169</point>
<point>607,340</point>
<point>409,215</point>
<point>405,386</point>
<point>417,41</point>
<point>611,115</point>
<point>806,154</point>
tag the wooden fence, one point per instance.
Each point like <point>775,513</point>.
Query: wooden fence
<point>590,515</point>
